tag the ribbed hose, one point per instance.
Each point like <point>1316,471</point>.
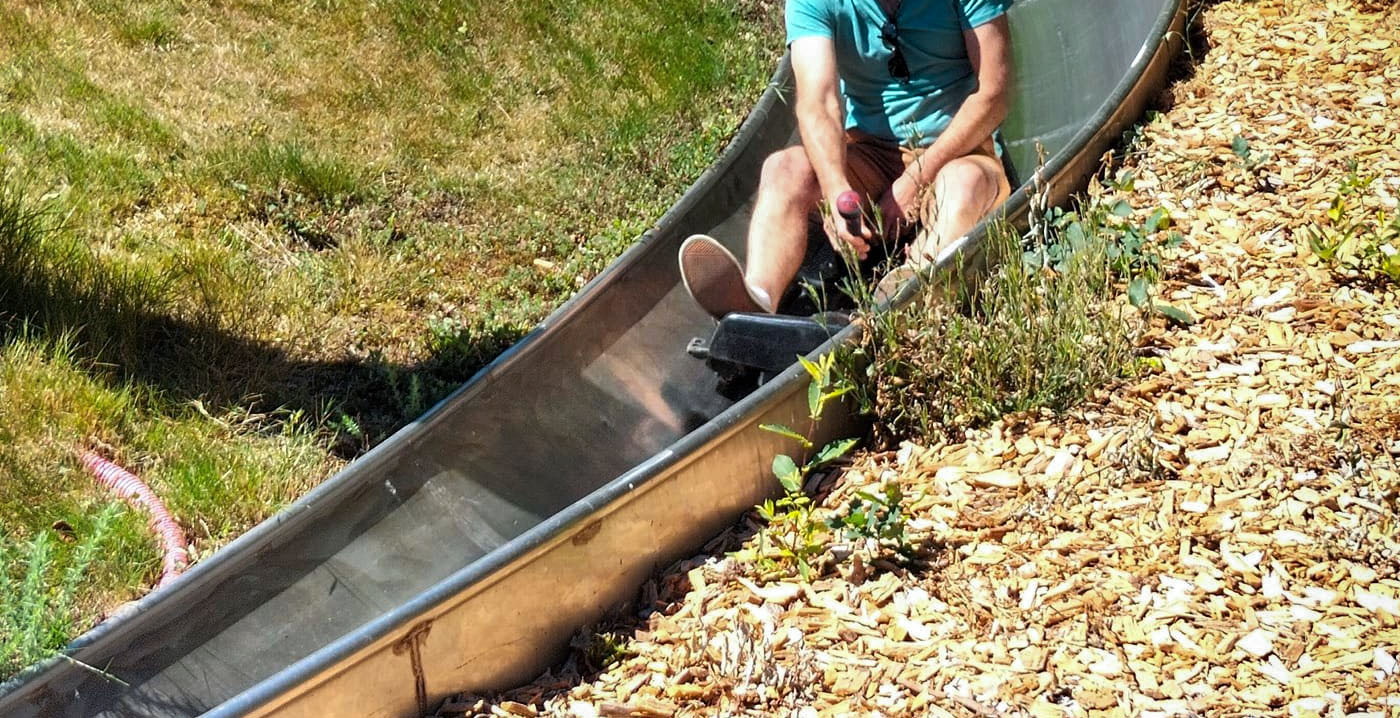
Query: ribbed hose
<point>135,491</point>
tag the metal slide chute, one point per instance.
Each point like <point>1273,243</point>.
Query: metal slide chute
<point>463,552</point>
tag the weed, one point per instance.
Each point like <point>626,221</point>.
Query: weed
<point>38,614</point>
<point>876,517</point>
<point>350,438</point>
<point>1130,246</point>
<point>1040,332</point>
<point>409,399</point>
<point>463,347</point>
<point>790,528</point>
<point>345,423</point>
<point>1357,238</point>
<point>1251,161</point>
<point>600,650</point>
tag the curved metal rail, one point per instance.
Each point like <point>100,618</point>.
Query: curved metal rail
<point>463,552</point>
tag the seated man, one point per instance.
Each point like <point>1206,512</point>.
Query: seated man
<point>925,84</point>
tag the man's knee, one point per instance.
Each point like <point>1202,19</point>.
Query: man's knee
<point>967,184</point>
<point>789,169</point>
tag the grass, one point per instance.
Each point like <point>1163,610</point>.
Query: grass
<point>242,243</point>
<point>1045,327</point>
<point>219,475</point>
<point>38,616</point>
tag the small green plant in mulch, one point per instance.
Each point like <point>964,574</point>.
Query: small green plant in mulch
<point>1131,246</point>
<point>792,537</point>
<point>598,650</point>
<point>1250,160</point>
<point>876,516</point>
<point>1356,237</point>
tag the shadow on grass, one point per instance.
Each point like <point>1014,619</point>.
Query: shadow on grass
<point>123,325</point>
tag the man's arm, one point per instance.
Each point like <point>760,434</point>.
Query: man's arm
<point>989,50</point>
<point>820,120</point>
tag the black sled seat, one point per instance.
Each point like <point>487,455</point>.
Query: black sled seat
<point>746,349</point>
<point>744,343</point>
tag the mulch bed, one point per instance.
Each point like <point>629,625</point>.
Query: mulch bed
<point>1217,537</point>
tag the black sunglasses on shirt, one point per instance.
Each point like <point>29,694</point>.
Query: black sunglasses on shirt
<point>899,69</point>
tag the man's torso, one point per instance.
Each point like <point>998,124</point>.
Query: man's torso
<point>929,34</point>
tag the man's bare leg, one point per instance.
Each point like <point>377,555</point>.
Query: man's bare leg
<point>777,240</point>
<point>965,191</point>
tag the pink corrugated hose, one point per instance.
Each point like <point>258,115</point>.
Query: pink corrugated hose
<point>135,491</point>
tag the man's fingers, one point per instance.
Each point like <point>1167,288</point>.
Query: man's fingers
<point>843,241</point>
<point>860,243</point>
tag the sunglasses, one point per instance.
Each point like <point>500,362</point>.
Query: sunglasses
<point>899,69</point>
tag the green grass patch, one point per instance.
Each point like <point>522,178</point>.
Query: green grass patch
<point>53,281</point>
<point>154,30</point>
<point>93,181</point>
<point>238,251</point>
<point>68,557</point>
<point>269,168</point>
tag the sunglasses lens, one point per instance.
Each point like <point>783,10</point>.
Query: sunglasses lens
<point>898,68</point>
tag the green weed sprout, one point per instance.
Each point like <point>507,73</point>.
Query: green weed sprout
<point>37,617</point>
<point>1354,240</point>
<point>791,530</point>
<point>878,517</point>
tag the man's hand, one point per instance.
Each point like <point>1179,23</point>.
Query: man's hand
<point>847,235</point>
<point>899,207</point>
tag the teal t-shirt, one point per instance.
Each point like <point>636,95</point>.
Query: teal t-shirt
<point>930,35</point>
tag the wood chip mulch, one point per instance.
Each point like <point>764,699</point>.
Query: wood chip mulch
<point>1218,537</point>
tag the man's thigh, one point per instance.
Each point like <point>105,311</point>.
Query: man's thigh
<point>872,165</point>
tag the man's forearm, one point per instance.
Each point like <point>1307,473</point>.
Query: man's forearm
<point>819,121</point>
<point>979,116</point>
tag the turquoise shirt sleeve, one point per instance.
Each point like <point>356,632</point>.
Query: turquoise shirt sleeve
<point>981,12</point>
<point>808,18</point>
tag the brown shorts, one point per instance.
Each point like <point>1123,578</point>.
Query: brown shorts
<point>874,163</point>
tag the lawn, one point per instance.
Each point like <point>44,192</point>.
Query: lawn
<point>242,242</point>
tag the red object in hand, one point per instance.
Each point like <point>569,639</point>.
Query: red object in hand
<point>848,205</point>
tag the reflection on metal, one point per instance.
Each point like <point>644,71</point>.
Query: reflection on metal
<point>464,551</point>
